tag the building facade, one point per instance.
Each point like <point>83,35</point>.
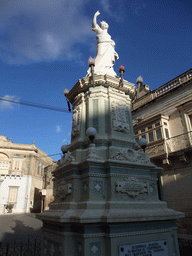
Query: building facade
<point>22,176</point>
<point>164,118</point>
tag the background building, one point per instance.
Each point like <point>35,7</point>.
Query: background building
<point>22,176</point>
<point>164,118</point>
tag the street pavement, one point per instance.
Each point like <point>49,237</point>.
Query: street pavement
<point>19,227</point>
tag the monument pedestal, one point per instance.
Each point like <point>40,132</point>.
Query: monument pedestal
<point>142,238</point>
<point>106,196</point>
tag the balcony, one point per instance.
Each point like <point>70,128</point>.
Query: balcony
<point>171,145</point>
<point>179,142</point>
<point>156,148</point>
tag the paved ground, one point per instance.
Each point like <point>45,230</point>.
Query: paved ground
<point>19,226</point>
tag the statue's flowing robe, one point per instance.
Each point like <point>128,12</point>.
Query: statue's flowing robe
<point>105,56</point>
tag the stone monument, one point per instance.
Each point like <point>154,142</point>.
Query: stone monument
<point>106,196</point>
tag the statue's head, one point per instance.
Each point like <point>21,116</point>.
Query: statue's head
<point>104,25</point>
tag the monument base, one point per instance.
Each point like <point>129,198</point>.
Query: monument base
<point>150,238</point>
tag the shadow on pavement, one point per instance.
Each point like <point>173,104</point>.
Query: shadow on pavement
<point>19,228</point>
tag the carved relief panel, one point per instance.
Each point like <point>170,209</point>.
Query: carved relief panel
<point>120,120</point>
<point>76,121</point>
<point>63,189</point>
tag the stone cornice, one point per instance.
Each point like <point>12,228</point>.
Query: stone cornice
<point>105,80</point>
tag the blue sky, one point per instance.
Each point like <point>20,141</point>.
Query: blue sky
<point>45,45</point>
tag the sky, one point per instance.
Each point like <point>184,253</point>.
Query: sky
<point>45,46</point>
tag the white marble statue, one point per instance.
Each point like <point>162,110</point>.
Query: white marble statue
<point>106,54</point>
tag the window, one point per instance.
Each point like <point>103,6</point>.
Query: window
<point>42,170</point>
<point>13,194</point>
<point>17,164</point>
<point>190,119</point>
<point>4,161</point>
<point>166,133</point>
<point>39,168</point>
<point>151,132</point>
<point>4,165</point>
<point>157,124</point>
<point>158,133</point>
<point>151,138</point>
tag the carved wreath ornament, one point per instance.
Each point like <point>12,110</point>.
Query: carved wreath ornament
<point>120,117</point>
<point>131,156</point>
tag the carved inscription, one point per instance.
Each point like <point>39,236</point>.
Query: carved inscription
<point>132,186</point>
<point>120,117</point>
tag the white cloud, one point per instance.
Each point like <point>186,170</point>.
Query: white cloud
<point>113,9</point>
<point>64,140</point>
<point>42,30</point>
<point>6,102</point>
<point>58,128</point>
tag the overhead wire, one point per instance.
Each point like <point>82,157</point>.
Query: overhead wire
<point>36,105</point>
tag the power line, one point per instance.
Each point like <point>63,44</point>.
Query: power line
<point>55,154</point>
<point>36,105</point>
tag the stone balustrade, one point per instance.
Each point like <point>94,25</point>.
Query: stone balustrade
<point>173,83</point>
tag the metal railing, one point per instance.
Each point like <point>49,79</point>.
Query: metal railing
<point>20,248</point>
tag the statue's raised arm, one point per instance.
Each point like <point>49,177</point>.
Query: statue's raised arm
<point>106,54</point>
<point>94,24</point>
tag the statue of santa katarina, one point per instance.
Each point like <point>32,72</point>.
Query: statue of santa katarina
<point>106,54</point>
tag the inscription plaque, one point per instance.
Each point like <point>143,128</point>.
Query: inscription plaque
<point>157,248</point>
<point>132,186</point>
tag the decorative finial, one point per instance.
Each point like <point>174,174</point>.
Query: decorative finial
<point>91,63</point>
<point>64,149</point>
<point>91,132</point>
<point>121,71</point>
<point>142,143</point>
<point>139,80</point>
<point>121,68</point>
<point>65,92</point>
